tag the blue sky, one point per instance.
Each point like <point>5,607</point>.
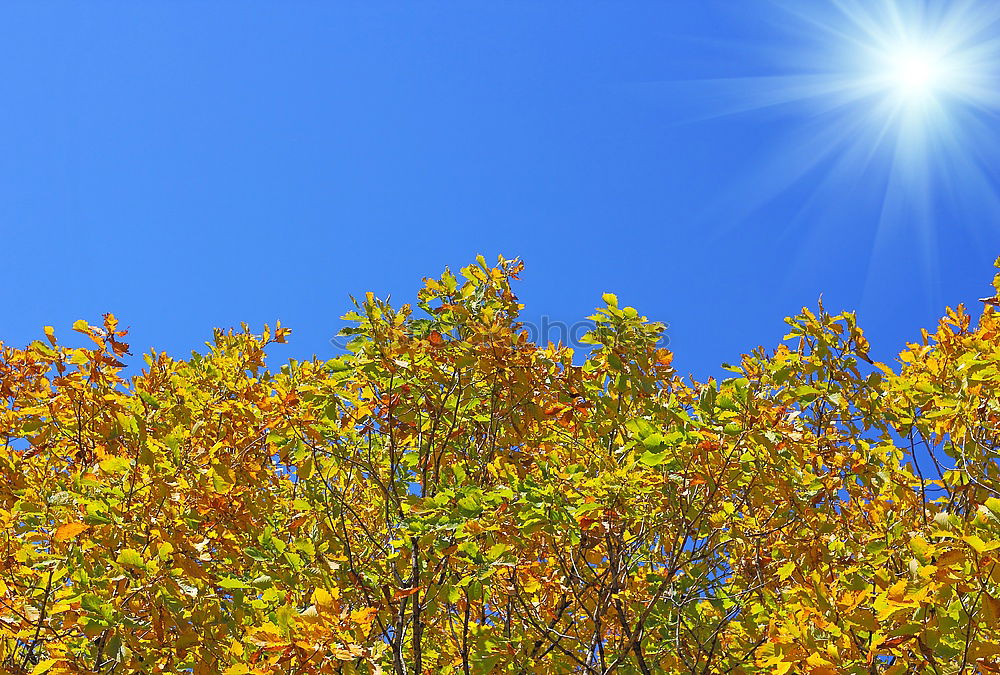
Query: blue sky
<point>188,165</point>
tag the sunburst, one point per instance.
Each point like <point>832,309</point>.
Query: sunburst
<point>901,96</point>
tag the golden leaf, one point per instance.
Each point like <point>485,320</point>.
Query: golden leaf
<point>992,607</point>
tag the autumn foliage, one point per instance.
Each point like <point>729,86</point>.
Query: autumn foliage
<point>450,498</point>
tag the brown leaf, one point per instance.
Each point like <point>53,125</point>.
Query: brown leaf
<point>896,641</point>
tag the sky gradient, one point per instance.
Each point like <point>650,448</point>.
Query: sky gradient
<point>187,165</point>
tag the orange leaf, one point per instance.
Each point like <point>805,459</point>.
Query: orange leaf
<point>69,530</point>
<point>405,593</point>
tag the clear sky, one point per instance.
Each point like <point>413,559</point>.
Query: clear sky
<point>195,164</point>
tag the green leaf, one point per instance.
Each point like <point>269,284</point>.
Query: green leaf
<point>92,604</point>
<point>283,616</point>
<point>257,555</point>
<point>488,664</point>
<point>305,468</point>
<point>496,551</point>
<point>588,507</point>
<point>340,365</point>
<point>653,458</point>
<point>129,557</point>
<point>149,400</point>
<point>640,427</point>
<point>806,393</point>
<point>469,506</point>
<point>294,559</point>
<point>219,484</point>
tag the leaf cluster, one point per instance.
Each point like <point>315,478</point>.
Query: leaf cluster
<point>449,497</point>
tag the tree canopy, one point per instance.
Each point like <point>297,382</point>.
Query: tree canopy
<point>449,497</point>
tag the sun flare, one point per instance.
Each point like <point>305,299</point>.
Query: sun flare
<point>915,73</point>
<point>930,62</point>
<point>894,101</point>
<point>908,83</point>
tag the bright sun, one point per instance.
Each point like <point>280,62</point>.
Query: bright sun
<point>894,100</point>
<point>915,74</point>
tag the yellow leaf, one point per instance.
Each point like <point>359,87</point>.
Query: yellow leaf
<point>114,464</point>
<point>267,635</point>
<point>363,617</point>
<point>786,570</point>
<point>979,545</point>
<point>69,531</point>
<point>920,546</point>
<point>43,666</point>
<point>897,592</point>
<point>322,599</point>
<point>783,667</point>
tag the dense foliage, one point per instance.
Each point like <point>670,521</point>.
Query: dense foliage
<point>451,498</point>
